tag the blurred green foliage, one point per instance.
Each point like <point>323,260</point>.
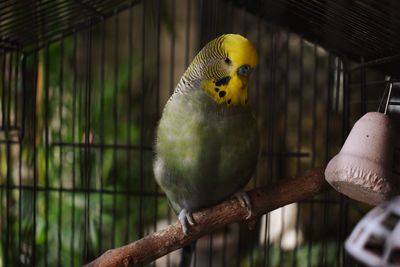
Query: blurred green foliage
<point>87,165</point>
<point>312,255</point>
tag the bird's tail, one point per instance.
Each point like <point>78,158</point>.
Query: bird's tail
<point>187,252</point>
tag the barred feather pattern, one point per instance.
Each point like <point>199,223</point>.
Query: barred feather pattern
<point>206,65</point>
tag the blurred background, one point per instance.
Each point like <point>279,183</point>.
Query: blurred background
<point>82,86</point>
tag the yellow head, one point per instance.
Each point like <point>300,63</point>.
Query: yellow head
<point>226,64</point>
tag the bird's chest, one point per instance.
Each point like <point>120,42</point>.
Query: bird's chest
<point>199,144</point>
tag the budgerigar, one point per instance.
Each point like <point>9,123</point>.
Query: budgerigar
<point>207,140</point>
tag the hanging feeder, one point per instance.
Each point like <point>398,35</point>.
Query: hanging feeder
<point>363,169</point>
<point>375,240</point>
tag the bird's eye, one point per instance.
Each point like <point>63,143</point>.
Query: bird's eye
<point>244,70</point>
<point>227,60</point>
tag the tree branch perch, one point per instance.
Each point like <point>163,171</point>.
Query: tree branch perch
<point>263,199</point>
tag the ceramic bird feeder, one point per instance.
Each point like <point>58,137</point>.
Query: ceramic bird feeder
<point>375,240</point>
<point>364,168</point>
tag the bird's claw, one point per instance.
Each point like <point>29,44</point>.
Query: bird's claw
<point>186,220</point>
<point>244,201</point>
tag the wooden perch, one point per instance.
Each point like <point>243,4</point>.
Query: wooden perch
<point>264,199</point>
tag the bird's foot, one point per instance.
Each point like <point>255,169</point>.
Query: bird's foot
<point>186,220</point>
<point>244,201</point>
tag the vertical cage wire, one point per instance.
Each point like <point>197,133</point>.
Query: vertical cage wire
<point>77,127</point>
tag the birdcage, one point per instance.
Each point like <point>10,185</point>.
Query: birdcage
<point>82,87</point>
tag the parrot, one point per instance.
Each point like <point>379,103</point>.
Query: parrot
<point>207,142</point>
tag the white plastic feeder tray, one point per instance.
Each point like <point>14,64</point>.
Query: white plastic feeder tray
<point>375,241</point>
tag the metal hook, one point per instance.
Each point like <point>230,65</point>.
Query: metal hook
<point>388,91</point>
<point>388,98</point>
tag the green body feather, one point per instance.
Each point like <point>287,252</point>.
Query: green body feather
<point>205,152</point>
<point>207,138</point>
